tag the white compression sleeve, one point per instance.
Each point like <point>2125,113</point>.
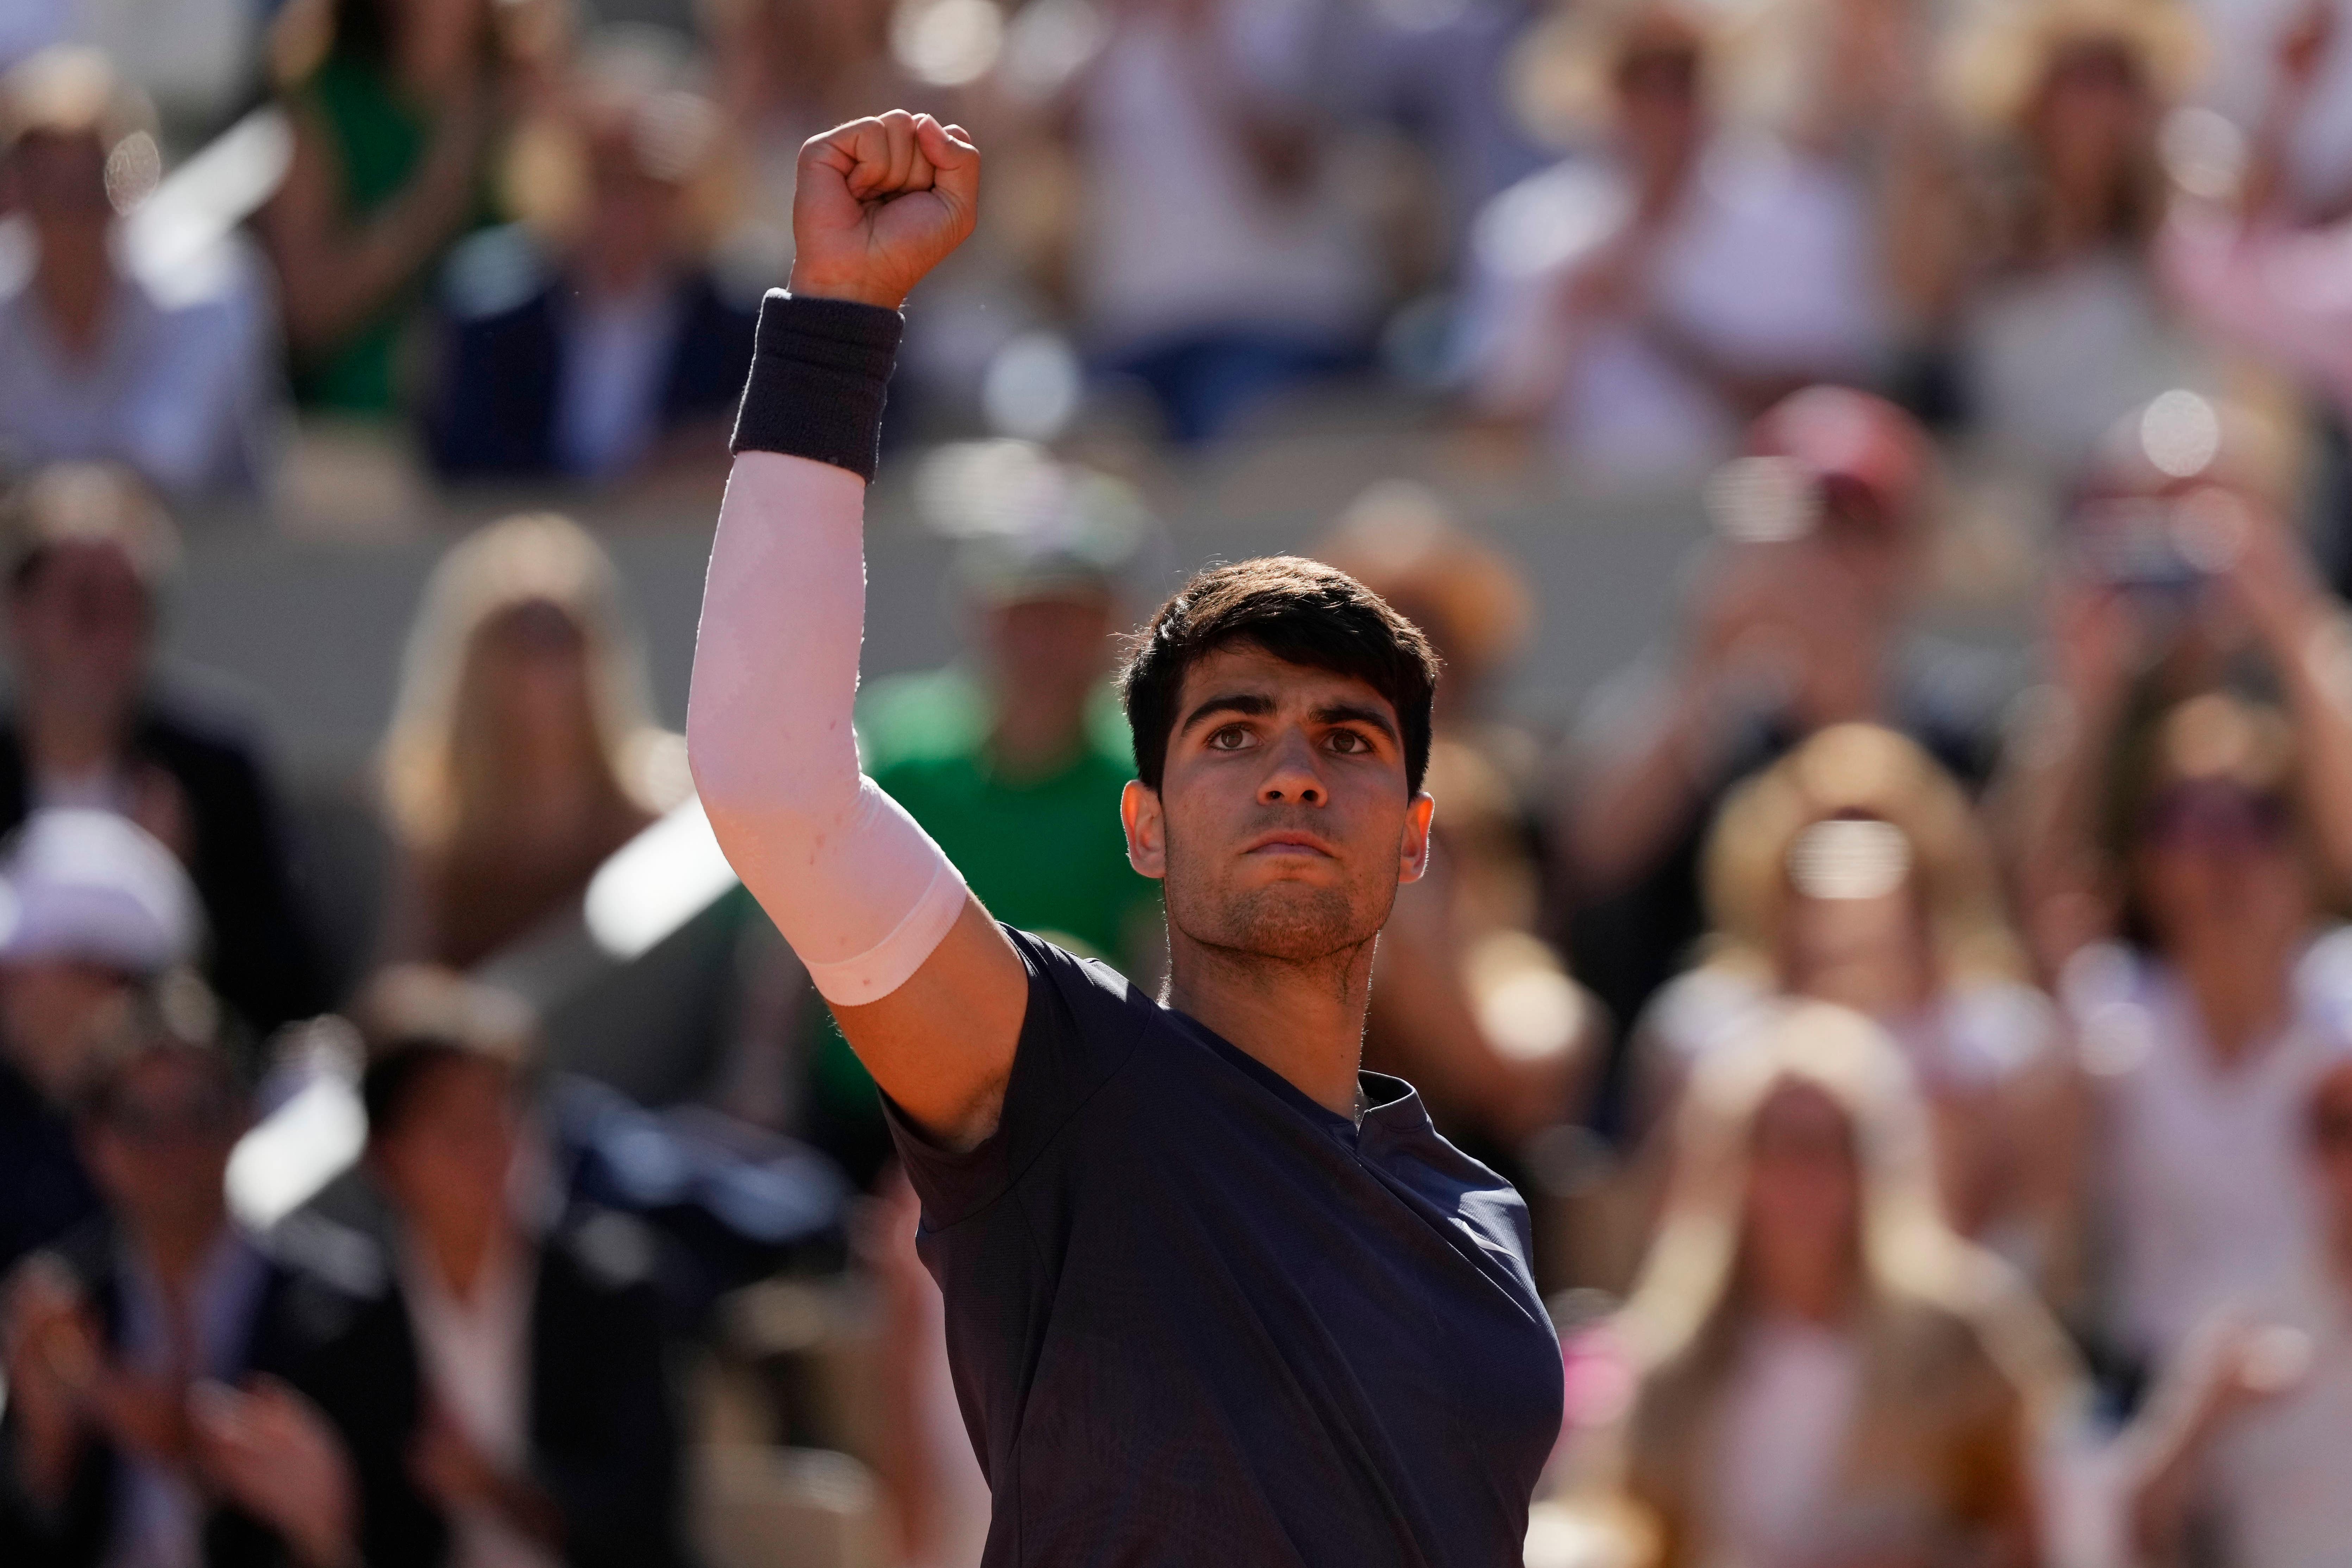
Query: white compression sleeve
<point>861,891</point>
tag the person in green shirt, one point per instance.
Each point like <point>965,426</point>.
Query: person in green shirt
<point>1014,757</point>
<point>396,107</point>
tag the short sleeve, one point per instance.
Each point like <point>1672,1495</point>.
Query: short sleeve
<point>1081,1026</point>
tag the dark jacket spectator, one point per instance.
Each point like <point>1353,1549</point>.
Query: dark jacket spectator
<point>325,1322</point>
<point>570,1453</point>
<point>97,909</point>
<point>89,724</point>
<point>170,1397</point>
<point>263,962</point>
<point>510,365</point>
<point>592,340</point>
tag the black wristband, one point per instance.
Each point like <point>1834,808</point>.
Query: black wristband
<point>820,372</point>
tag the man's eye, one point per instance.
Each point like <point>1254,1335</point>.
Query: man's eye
<point>1232,738</point>
<point>1349,740</point>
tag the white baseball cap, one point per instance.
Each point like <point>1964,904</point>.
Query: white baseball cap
<point>91,887</point>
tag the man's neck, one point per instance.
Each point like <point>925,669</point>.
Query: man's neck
<point>2242,993</point>
<point>74,280</point>
<point>1305,1020</point>
<point>178,1253</point>
<point>72,737</point>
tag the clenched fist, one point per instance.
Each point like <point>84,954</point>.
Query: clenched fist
<point>879,204</point>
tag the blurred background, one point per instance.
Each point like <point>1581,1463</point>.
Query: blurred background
<point>1880,475</point>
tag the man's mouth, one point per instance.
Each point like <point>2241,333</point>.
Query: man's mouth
<point>1290,842</point>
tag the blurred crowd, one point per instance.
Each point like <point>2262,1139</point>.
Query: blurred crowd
<point>1928,1058</point>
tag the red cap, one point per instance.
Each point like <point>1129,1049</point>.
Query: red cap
<point>1849,438</point>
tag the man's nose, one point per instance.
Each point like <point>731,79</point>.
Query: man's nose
<point>1293,778</point>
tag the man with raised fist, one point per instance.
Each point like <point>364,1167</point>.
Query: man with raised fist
<point>1213,1293</point>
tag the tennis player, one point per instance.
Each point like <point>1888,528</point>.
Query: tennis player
<point>1215,1295</point>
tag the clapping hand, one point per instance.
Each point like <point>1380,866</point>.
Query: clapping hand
<point>274,1453</point>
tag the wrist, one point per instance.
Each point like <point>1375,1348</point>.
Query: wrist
<point>807,284</point>
<point>819,377</point>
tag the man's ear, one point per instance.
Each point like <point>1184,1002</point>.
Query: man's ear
<point>1147,829</point>
<point>1413,853</point>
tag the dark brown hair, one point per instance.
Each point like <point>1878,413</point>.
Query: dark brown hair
<point>1300,611</point>
<point>413,1017</point>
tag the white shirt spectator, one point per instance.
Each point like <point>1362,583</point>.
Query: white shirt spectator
<point>1782,1439</point>
<point>1181,236</point>
<point>1770,266</point>
<point>2198,1162</point>
<point>178,388</point>
<point>2275,1474</point>
<point>475,1360</point>
<point>2054,358</point>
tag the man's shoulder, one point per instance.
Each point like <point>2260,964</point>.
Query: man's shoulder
<point>1086,983</point>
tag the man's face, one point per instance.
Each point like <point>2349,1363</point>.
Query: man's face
<point>1282,827</point>
<point>81,624</point>
<point>51,1010</point>
<point>446,1161</point>
<point>160,1148</point>
<point>1061,645</point>
<point>60,179</point>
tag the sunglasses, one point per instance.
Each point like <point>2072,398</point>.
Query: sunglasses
<point>1672,72</point>
<point>2216,816</point>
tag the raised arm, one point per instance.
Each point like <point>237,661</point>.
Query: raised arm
<point>927,989</point>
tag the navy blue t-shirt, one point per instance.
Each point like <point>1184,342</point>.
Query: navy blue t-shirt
<point>1196,1318</point>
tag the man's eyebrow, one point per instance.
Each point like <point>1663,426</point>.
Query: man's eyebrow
<point>1254,704</point>
<point>1355,714</point>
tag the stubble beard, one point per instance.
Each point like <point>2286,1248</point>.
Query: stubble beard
<point>1290,923</point>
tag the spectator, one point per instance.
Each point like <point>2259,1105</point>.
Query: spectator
<point>520,753</point>
<point>2176,845</point>
<point>165,1398</point>
<point>618,347</point>
<point>395,105</point>
<point>1468,1003</point>
<point>1637,306</point>
<point>2242,264</point>
<point>2047,277</point>
<point>2200,1036</point>
<point>1217,259</point>
<point>1798,622</point>
<point>1852,871</point>
<point>537,1407</point>
<point>2251,272</point>
<point>1821,1372</point>
<point>91,723</point>
<point>1015,759</point>
<point>1438,70</point>
<point>788,69</point>
<point>90,910</point>
<point>99,359</point>
<point>2240,1457</point>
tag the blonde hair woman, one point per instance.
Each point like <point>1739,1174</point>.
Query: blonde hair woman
<point>1853,871</point>
<point>1819,1369</point>
<point>522,751</point>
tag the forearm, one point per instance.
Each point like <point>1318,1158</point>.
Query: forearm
<point>858,891</point>
<point>334,277</point>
